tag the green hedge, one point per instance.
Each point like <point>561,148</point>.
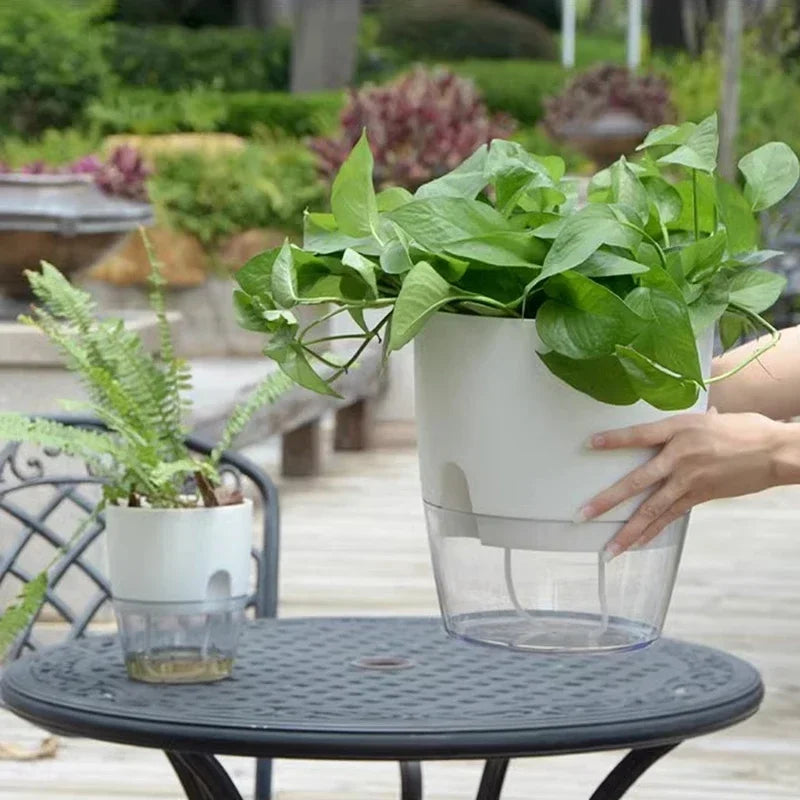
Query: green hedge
<point>149,111</point>
<point>172,58</point>
<point>295,114</point>
<point>51,63</point>
<point>212,197</point>
<point>769,93</point>
<point>453,29</point>
<point>516,87</point>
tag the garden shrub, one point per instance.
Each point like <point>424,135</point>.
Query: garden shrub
<point>592,47</point>
<point>52,63</point>
<point>211,197</point>
<point>453,29</point>
<point>151,111</point>
<point>309,114</point>
<point>517,87</point>
<point>610,87</point>
<point>173,58</point>
<point>420,126</point>
<point>769,95</point>
<point>54,148</point>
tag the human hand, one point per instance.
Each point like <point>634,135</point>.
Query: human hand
<point>702,457</point>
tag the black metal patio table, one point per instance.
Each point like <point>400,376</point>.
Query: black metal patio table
<point>391,689</point>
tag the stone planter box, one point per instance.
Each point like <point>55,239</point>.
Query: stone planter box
<point>64,219</point>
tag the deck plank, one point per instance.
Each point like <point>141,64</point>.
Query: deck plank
<point>354,543</point>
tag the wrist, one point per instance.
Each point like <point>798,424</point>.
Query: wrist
<point>786,454</point>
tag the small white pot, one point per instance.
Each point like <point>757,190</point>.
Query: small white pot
<point>500,436</point>
<point>184,555</point>
<point>180,580</point>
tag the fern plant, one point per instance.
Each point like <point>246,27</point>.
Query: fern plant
<point>141,398</point>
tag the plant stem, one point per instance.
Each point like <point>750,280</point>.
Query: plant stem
<point>333,338</point>
<point>367,339</point>
<point>341,369</point>
<point>645,235</point>
<point>206,490</point>
<point>480,299</point>
<point>380,303</point>
<point>775,337</point>
<point>319,320</point>
<point>331,364</point>
<point>662,258</point>
<point>695,210</point>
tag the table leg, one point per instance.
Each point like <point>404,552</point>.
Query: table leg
<point>202,777</point>
<point>628,771</point>
<point>410,780</point>
<point>494,775</point>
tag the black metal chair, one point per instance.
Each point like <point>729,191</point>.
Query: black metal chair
<point>44,495</point>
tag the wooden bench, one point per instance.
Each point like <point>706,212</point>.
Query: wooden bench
<point>219,383</point>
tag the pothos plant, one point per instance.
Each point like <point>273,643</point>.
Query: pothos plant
<point>141,457</point>
<point>620,287</point>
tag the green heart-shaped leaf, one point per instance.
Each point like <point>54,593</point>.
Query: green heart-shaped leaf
<point>466,180</point>
<point>756,289</point>
<point>770,173</point>
<point>423,292</point>
<point>583,319</point>
<point>653,385</point>
<point>353,199</point>
<point>604,379</point>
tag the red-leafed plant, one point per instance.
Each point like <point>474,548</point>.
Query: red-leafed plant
<point>610,88</point>
<point>420,127</point>
<point>123,174</point>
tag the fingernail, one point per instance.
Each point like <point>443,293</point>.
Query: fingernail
<point>583,514</point>
<point>611,550</point>
<point>598,440</point>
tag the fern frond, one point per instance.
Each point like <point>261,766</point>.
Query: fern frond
<point>177,374</point>
<point>268,391</point>
<point>80,442</point>
<point>61,298</point>
<point>113,366</point>
<point>169,470</point>
<point>18,616</point>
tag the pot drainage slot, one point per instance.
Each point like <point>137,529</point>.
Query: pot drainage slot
<point>383,663</point>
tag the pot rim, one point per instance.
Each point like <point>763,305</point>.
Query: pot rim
<point>482,317</point>
<point>40,179</point>
<point>246,503</point>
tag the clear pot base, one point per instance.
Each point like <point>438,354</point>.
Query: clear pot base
<point>543,586</point>
<point>179,642</point>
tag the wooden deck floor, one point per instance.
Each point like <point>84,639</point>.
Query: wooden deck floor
<point>354,542</point>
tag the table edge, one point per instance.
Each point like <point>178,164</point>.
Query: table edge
<point>379,745</point>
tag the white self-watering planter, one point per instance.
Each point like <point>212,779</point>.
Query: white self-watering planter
<point>180,580</point>
<point>505,468</point>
